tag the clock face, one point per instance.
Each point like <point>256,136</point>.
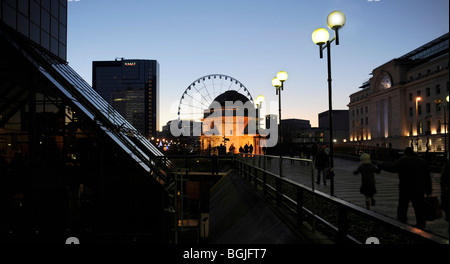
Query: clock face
<point>385,81</point>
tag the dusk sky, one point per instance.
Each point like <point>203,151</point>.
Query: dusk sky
<point>252,40</point>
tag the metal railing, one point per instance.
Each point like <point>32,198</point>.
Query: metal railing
<point>339,220</point>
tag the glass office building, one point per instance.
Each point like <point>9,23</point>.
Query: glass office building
<point>44,22</point>
<point>70,163</point>
<point>131,87</point>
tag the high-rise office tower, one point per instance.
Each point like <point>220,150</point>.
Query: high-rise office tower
<point>132,88</point>
<point>43,22</point>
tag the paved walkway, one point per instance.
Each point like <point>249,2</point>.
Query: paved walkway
<point>238,215</point>
<point>346,187</point>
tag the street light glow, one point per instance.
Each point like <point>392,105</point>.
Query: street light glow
<point>320,36</point>
<point>276,82</point>
<point>336,20</point>
<point>282,76</point>
<point>259,100</point>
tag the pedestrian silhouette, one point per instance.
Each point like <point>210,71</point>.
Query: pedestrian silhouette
<point>415,182</point>
<point>367,170</point>
<point>246,148</point>
<point>321,163</point>
<point>314,151</point>
<point>307,152</point>
<point>250,149</point>
<point>232,149</point>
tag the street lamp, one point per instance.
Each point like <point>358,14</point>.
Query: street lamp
<point>278,82</point>
<point>258,101</point>
<point>418,99</point>
<point>321,37</point>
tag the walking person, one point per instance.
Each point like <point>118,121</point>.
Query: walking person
<point>314,151</point>
<point>415,182</point>
<point>321,164</point>
<point>246,148</point>
<point>367,170</point>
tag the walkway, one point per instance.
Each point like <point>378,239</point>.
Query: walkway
<point>238,215</point>
<point>346,187</point>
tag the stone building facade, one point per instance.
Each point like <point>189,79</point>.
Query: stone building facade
<point>405,101</point>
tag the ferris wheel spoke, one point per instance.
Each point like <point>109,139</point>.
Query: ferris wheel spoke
<point>213,88</point>
<point>207,91</point>
<point>193,98</point>
<point>200,93</point>
<point>193,106</point>
<point>231,84</point>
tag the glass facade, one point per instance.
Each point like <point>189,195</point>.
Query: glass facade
<point>439,45</point>
<point>132,87</point>
<point>70,164</point>
<point>44,22</point>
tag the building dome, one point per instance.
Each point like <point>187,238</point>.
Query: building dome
<point>230,96</point>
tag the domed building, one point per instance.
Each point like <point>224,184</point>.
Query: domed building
<point>230,123</point>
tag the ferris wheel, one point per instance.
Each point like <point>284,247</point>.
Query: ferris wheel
<point>201,93</point>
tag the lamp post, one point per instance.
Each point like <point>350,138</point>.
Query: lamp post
<point>258,101</point>
<point>321,37</point>
<point>278,82</point>
<point>418,99</point>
